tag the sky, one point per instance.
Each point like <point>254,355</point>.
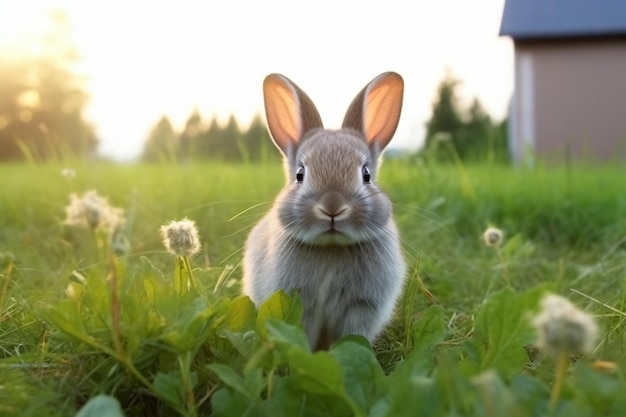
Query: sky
<point>146,59</point>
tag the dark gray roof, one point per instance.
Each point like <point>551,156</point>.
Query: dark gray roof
<point>538,19</point>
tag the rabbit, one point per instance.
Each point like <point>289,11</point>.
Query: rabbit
<point>330,234</point>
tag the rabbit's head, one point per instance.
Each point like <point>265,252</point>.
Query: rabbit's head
<point>331,196</point>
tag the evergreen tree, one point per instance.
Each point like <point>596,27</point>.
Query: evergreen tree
<point>230,141</point>
<point>162,143</point>
<point>446,116</point>
<point>188,141</point>
<point>467,134</point>
<point>42,98</point>
<point>258,141</point>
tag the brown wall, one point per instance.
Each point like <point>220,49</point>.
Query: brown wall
<point>578,97</point>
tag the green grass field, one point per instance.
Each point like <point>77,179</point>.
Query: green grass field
<point>77,321</point>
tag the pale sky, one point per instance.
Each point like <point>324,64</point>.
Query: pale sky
<point>146,59</point>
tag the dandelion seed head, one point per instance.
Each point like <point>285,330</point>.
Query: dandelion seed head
<point>493,236</point>
<point>94,211</point>
<point>181,237</point>
<point>563,328</point>
<point>87,210</point>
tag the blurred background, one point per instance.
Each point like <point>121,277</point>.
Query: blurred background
<point>149,81</point>
<point>132,80</point>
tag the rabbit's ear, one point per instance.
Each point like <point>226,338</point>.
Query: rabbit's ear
<point>290,112</point>
<point>375,111</point>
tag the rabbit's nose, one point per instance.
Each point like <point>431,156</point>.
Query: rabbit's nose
<point>332,206</point>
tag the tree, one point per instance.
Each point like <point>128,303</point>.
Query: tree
<point>42,99</point>
<point>258,142</point>
<point>162,143</point>
<point>468,134</point>
<point>446,117</point>
<point>188,141</point>
<point>208,141</point>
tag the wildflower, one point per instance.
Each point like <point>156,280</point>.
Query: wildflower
<point>112,220</point>
<point>68,173</point>
<point>563,328</point>
<point>493,236</point>
<point>94,211</point>
<point>89,210</point>
<point>181,237</point>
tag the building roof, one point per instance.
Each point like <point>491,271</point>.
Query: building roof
<point>541,19</point>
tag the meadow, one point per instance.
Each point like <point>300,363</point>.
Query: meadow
<point>94,331</point>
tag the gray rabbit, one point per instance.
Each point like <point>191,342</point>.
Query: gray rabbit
<point>330,235</point>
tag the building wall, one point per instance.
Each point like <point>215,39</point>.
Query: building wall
<point>570,99</point>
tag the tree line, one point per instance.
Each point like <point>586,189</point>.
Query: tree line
<point>200,140</point>
<point>42,101</point>
<point>454,132</point>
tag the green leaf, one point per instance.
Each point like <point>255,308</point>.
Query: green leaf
<point>532,394</point>
<point>250,387</point>
<point>101,406</point>
<point>315,373</point>
<point>193,325</point>
<point>286,335</point>
<point>241,315</point>
<point>229,403</point>
<point>503,327</point>
<point>279,306</point>
<point>414,396</point>
<point>288,400</point>
<point>597,389</point>
<point>494,397</point>
<point>363,376</point>
<point>169,386</point>
<point>148,269</point>
<point>428,332</point>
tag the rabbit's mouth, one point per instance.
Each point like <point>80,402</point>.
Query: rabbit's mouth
<point>333,236</point>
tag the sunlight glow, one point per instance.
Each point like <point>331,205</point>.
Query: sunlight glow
<point>143,60</point>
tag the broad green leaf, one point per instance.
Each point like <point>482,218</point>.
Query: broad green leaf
<point>457,392</point>
<point>363,376</point>
<point>597,389</point>
<point>244,343</point>
<point>412,397</point>
<point>494,397</point>
<point>192,327</point>
<point>169,386</point>
<point>503,326</point>
<point>279,306</point>
<point>101,406</point>
<point>315,373</point>
<point>241,315</point>
<point>286,335</point>
<point>228,403</point>
<point>250,386</point>
<point>531,394</point>
<point>288,400</point>
<point>65,316</point>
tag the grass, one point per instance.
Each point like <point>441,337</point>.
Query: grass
<point>459,340</point>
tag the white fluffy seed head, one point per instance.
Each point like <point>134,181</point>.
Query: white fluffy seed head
<point>493,236</point>
<point>181,237</point>
<point>94,211</point>
<point>563,328</point>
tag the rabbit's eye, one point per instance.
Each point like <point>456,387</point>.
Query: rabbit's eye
<point>366,174</point>
<point>300,174</point>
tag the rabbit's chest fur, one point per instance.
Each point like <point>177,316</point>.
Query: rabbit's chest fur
<point>343,289</point>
